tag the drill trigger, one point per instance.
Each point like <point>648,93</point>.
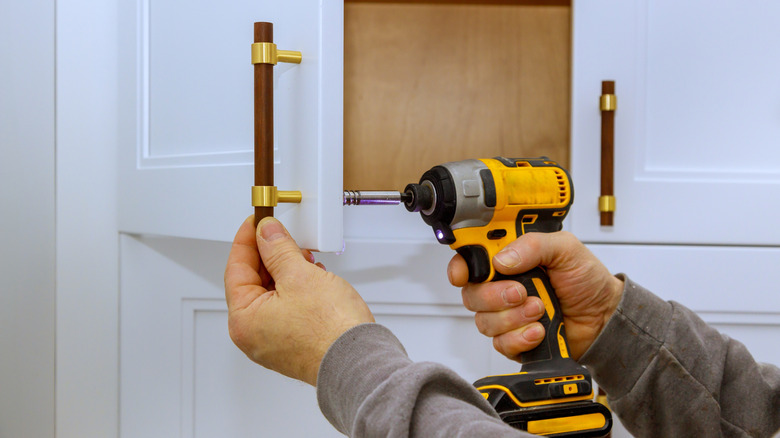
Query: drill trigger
<point>478,262</point>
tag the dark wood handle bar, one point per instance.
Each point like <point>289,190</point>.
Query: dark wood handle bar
<point>264,119</point>
<point>608,106</point>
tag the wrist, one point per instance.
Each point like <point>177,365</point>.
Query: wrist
<point>615,294</point>
<point>611,295</point>
<point>617,286</point>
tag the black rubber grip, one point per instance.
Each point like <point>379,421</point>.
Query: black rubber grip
<point>537,284</point>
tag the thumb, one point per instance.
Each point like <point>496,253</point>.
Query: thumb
<point>532,250</point>
<point>277,248</point>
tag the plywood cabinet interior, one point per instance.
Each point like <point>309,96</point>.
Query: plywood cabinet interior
<point>427,82</point>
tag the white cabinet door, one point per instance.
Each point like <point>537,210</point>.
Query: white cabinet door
<point>697,126</point>
<point>186,117</point>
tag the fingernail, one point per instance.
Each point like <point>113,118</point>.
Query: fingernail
<point>533,333</point>
<point>535,308</point>
<point>271,229</point>
<point>508,257</point>
<point>511,295</point>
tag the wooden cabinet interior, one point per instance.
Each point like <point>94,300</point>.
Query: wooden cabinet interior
<point>426,82</point>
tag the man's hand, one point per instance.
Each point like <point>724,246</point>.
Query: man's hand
<point>587,292</point>
<point>284,311</point>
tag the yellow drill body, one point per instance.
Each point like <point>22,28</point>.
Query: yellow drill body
<point>525,195</point>
<point>478,207</point>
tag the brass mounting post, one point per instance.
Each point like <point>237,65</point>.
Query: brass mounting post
<point>267,53</point>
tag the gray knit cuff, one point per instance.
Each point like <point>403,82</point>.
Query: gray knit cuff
<point>629,340</point>
<point>360,359</point>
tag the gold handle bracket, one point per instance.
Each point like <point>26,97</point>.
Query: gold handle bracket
<point>270,196</point>
<point>607,204</point>
<point>608,102</point>
<point>267,53</point>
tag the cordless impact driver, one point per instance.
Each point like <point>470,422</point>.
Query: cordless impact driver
<point>478,207</point>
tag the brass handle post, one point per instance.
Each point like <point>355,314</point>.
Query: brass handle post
<point>608,106</point>
<point>267,53</point>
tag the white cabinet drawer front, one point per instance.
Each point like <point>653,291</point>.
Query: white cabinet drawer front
<point>704,278</point>
<point>732,288</point>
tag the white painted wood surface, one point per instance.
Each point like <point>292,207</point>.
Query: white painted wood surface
<point>87,387</point>
<point>183,377</point>
<point>27,219</point>
<point>733,288</point>
<point>697,126</point>
<point>186,117</point>
<point>181,374</point>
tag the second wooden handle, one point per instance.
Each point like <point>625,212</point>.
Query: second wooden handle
<point>608,105</point>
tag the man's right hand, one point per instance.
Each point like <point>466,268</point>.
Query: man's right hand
<point>587,292</point>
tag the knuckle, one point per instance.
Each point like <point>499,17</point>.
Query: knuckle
<point>506,295</point>
<point>568,241</point>
<point>237,333</point>
<point>281,255</point>
<point>229,273</point>
<point>493,296</point>
<point>567,236</point>
<point>465,297</point>
<point>505,345</point>
<point>533,241</point>
<point>481,323</point>
<point>513,343</point>
<point>471,299</point>
<point>533,308</point>
<point>498,345</point>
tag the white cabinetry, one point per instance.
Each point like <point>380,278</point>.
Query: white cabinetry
<point>697,126</point>
<point>185,161</point>
<point>697,165</point>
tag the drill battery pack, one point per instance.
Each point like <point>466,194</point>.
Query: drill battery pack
<point>537,402</point>
<point>573,419</point>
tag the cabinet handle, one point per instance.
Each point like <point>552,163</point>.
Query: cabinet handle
<point>265,196</point>
<point>608,106</point>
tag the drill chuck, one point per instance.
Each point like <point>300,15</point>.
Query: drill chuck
<point>420,197</point>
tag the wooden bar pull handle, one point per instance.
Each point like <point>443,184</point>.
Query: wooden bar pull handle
<point>608,106</point>
<point>265,196</point>
<point>264,120</point>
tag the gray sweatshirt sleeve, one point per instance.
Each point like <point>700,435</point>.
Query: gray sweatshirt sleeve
<point>368,387</point>
<point>667,373</point>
